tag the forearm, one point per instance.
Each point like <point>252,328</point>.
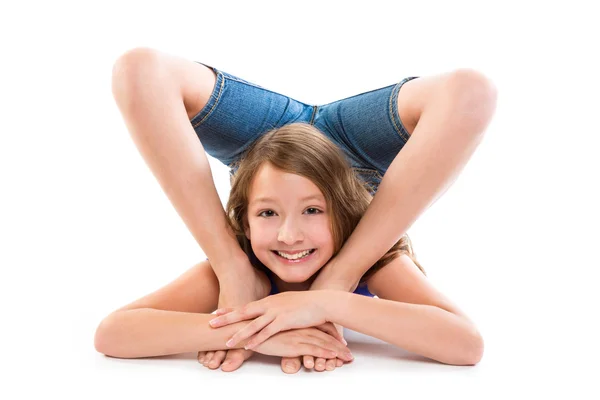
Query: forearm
<point>442,142</point>
<point>426,330</point>
<point>147,332</point>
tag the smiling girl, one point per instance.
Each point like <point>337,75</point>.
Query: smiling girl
<point>294,201</point>
<point>407,142</point>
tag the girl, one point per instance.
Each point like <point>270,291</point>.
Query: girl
<point>294,201</point>
<point>155,91</point>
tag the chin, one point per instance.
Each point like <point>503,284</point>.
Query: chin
<point>295,276</point>
<point>294,279</point>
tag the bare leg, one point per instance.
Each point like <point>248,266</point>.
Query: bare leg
<point>157,95</point>
<point>150,90</point>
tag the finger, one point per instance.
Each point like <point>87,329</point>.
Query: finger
<point>331,330</point>
<point>222,311</point>
<point>330,364</point>
<point>322,339</point>
<point>235,358</point>
<point>249,311</point>
<point>309,362</point>
<point>201,355</point>
<point>271,329</point>
<point>249,330</point>
<point>290,365</point>
<point>315,350</point>
<point>320,364</point>
<point>209,355</point>
<point>217,359</point>
<point>339,362</point>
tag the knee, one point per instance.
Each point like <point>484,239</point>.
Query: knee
<point>132,67</point>
<point>474,92</point>
<point>472,85</point>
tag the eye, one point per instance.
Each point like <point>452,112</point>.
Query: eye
<point>316,209</point>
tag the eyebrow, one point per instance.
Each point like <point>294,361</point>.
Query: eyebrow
<point>268,199</point>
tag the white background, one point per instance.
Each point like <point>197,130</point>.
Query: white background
<point>85,227</point>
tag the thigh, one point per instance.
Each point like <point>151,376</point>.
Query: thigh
<point>368,128</point>
<point>238,112</point>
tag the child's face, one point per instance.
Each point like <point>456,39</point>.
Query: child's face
<point>288,224</point>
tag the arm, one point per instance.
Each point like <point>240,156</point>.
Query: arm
<point>423,329</point>
<point>420,328</point>
<point>448,130</point>
<point>148,332</point>
<point>160,128</point>
<point>410,313</point>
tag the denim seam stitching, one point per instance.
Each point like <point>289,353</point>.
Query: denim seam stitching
<point>215,103</point>
<point>395,92</point>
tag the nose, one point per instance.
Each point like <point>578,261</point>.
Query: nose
<point>290,232</point>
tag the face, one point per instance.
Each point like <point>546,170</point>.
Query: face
<point>282,217</point>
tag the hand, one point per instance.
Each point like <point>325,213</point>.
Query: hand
<point>291,365</point>
<point>236,289</point>
<point>304,341</point>
<point>233,359</point>
<point>283,311</point>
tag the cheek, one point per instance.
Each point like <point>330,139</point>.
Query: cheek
<point>321,234</point>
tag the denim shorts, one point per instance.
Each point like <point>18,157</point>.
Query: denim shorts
<point>366,127</point>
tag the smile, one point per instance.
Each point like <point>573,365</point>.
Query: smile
<point>296,259</point>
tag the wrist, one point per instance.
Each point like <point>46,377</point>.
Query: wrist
<point>333,279</point>
<point>332,302</point>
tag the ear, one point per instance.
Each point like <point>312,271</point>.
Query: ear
<point>247,232</point>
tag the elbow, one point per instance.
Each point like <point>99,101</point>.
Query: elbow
<point>103,338</point>
<point>100,337</point>
<point>475,350</point>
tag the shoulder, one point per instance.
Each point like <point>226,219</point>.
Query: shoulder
<point>402,280</point>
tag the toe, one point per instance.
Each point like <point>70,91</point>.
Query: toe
<point>217,359</point>
<point>330,364</point>
<point>233,361</point>
<point>309,362</point>
<point>320,364</point>
<point>290,365</point>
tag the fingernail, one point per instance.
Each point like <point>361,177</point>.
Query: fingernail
<point>344,341</point>
<point>349,355</point>
<point>212,322</point>
<point>229,343</point>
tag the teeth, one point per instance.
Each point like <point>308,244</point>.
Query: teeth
<point>295,256</point>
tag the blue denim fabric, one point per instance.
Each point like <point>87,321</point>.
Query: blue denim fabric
<point>367,126</point>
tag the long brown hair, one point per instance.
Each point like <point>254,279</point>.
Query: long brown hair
<point>301,149</point>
